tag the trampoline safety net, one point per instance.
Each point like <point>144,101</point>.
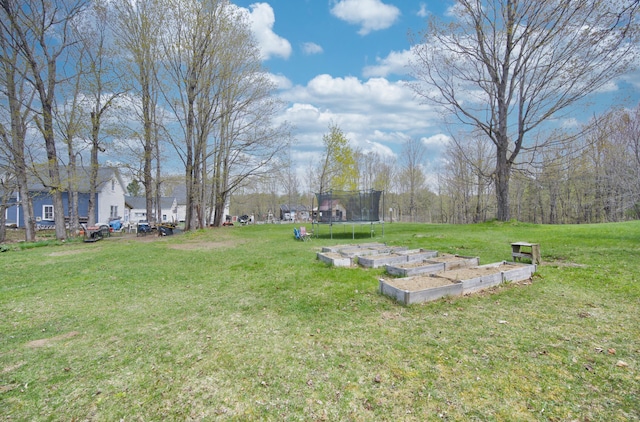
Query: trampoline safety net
<point>348,206</point>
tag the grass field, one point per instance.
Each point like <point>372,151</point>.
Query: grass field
<point>243,323</point>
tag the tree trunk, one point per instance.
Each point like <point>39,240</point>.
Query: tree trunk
<point>93,167</point>
<point>27,206</point>
<point>55,185</point>
<point>503,171</point>
<point>72,199</point>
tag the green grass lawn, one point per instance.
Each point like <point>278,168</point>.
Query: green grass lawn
<point>243,323</point>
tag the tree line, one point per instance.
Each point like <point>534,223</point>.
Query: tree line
<point>144,81</point>
<point>594,178</point>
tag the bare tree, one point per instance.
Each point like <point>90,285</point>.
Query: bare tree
<point>505,67</point>
<point>412,159</point>
<point>137,26</point>
<point>16,103</point>
<point>193,48</point>
<point>101,82</point>
<point>69,121</point>
<point>246,142</point>
<point>41,32</point>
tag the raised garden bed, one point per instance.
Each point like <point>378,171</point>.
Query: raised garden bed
<point>335,259</point>
<point>476,278</point>
<point>432,265</point>
<point>482,277</point>
<point>419,289</point>
<point>418,255</point>
<point>361,246</point>
<point>424,288</point>
<point>379,250</point>
<point>518,272</point>
<point>451,262</point>
<point>395,256</point>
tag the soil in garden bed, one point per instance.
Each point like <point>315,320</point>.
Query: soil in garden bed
<point>334,255</point>
<point>418,283</point>
<point>474,272</point>
<point>434,260</point>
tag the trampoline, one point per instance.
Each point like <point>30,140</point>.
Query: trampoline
<point>354,208</point>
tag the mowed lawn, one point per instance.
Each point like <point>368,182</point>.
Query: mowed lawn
<point>243,323</point>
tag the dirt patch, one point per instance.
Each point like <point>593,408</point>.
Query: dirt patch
<point>392,316</point>
<point>6,388</point>
<point>70,252</point>
<point>474,272</point>
<point>206,246</point>
<point>418,283</point>
<point>46,341</point>
<point>11,368</point>
<point>563,264</point>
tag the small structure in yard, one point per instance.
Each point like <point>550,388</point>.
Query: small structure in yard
<point>526,250</point>
<point>349,208</point>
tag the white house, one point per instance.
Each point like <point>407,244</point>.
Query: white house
<point>109,197</point>
<point>137,210</point>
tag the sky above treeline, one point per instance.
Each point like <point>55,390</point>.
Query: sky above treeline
<point>347,62</point>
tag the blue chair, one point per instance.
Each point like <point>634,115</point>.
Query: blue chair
<point>296,234</point>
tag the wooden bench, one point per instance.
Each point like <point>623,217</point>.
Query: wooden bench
<point>530,251</point>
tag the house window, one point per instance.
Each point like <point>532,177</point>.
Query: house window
<point>47,212</point>
<point>164,217</point>
<point>114,211</point>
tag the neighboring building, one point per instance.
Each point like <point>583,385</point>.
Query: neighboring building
<point>180,193</point>
<point>330,210</point>
<point>290,212</point>
<point>109,200</point>
<point>137,210</point>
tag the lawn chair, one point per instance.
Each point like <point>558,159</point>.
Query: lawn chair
<point>303,234</point>
<point>296,234</point>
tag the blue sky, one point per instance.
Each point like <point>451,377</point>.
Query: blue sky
<point>345,62</point>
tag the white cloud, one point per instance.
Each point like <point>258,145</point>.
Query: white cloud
<point>439,141</point>
<point>375,114</point>
<point>262,20</point>
<point>280,81</point>
<point>309,48</point>
<point>371,15</point>
<point>423,12</point>
<point>397,63</point>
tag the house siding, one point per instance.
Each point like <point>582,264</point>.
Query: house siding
<point>109,197</point>
<point>110,193</point>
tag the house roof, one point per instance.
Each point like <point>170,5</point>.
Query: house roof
<point>179,191</point>
<point>105,175</point>
<point>140,202</point>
